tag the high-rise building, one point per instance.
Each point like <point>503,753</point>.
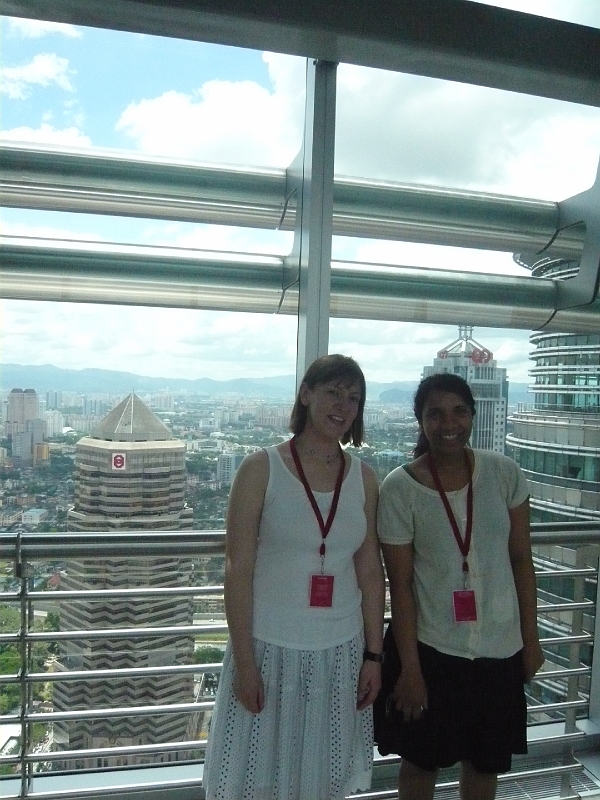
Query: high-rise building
<point>130,475</point>
<point>227,465</point>
<point>22,447</point>
<point>556,439</point>
<point>22,408</point>
<point>55,422</point>
<point>53,400</point>
<point>41,452</point>
<point>476,364</point>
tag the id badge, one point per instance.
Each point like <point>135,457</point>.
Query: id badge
<point>321,591</point>
<point>465,609</point>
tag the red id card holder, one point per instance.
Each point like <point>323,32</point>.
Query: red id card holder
<point>321,591</point>
<point>465,609</point>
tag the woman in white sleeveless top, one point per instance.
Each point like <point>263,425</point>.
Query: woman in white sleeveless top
<point>304,596</point>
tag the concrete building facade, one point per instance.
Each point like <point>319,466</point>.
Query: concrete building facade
<point>22,407</point>
<point>227,465</point>
<point>130,475</point>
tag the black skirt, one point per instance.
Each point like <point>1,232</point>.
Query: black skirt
<point>476,711</point>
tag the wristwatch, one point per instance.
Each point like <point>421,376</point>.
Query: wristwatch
<point>369,656</point>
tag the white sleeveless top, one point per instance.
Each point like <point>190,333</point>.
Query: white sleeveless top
<point>288,555</point>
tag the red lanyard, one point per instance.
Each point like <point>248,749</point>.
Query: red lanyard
<point>463,544</point>
<point>324,526</point>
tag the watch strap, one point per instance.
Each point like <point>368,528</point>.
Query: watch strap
<point>368,655</point>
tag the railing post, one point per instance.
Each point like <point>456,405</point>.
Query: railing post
<point>23,646</point>
<point>574,662</point>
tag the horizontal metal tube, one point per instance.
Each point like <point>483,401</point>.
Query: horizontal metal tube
<point>567,573</point>
<point>99,182</point>
<point>102,544</point>
<point>111,713</point>
<point>167,278</point>
<point>131,672</point>
<point>114,792</point>
<point>107,544</point>
<point>592,536</point>
<point>115,752</point>
<point>558,706</point>
<point>581,638</point>
<point>125,633</point>
<point>545,608</point>
<point>561,673</point>
<point>107,594</point>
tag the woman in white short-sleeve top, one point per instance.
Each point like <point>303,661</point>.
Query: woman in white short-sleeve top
<point>304,596</point>
<point>454,526</point>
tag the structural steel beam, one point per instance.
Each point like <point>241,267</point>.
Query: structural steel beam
<point>312,182</point>
<point>456,40</point>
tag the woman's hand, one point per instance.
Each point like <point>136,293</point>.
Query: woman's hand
<point>410,694</point>
<point>248,688</point>
<point>533,658</point>
<point>369,684</point>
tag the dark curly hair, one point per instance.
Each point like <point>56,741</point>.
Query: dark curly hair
<point>326,369</point>
<point>439,382</point>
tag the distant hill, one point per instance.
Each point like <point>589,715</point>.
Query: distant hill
<point>103,381</point>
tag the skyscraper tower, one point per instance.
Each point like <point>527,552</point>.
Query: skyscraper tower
<point>130,475</point>
<point>23,407</point>
<point>556,440</point>
<point>476,364</point>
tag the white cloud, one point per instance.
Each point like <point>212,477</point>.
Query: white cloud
<point>161,342</point>
<point>389,126</point>
<point>22,229</point>
<point>172,343</point>
<point>224,121</point>
<point>46,134</point>
<point>45,69</point>
<point>413,254</point>
<point>36,28</point>
<point>420,130</point>
<point>398,351</point>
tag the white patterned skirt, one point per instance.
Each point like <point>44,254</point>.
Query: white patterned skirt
<point>308,743</point>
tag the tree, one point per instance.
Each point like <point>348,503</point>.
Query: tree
<point>207,654</point>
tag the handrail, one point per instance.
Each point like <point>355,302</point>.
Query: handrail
<point>130,545</point>
<point>98,544</point>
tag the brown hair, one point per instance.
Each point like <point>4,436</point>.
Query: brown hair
<point>326,369</point>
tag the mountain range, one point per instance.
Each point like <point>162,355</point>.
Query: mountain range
<point>47,377</point>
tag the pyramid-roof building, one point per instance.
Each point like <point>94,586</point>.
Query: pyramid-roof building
<point>131,421</point>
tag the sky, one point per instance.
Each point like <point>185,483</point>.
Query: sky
<point>80,87</point>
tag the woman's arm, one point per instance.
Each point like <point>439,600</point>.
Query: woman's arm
<point>410,692</point>
<point>243,518</point>
<point>369,574</point>
<point>519,546</point>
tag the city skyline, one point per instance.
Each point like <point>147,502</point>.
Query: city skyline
<point>194,101</point>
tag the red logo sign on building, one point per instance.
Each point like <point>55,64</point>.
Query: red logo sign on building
<point>481,356</point>
<point>119,461</point>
